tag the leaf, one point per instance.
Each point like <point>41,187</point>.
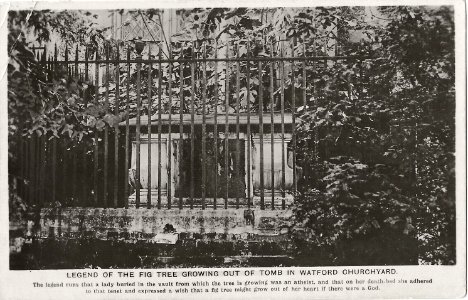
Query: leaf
<point>100,125</point>
<point>242,50</point>
<point>375,224</point>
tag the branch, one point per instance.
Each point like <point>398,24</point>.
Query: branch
<point>146,25</point>
<point>162,31</point>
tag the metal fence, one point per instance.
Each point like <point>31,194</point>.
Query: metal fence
<point>193,124</point>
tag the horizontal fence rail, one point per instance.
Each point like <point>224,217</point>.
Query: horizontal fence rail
<point>231,59</point>
<point>184,125</point>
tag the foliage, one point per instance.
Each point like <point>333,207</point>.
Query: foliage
<point>376,138</point>
<point>42,99</point>
<point>45,100</point>
<point>385,158</point>
<point>355,200</point>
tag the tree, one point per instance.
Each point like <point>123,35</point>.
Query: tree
<point>398,135</point>
<point>376,137</point>
<point>41,101</point>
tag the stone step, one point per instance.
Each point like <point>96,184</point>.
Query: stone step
<point>255,201</point>
<point>251,260</point>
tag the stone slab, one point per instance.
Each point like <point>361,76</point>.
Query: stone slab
<point>148,224</point>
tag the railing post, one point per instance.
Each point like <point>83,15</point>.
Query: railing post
<point>260,125</point>
<point>215,129</point>
<point>106,133</point>
<point>293,115</point>
<point>248,139</point>
<point>237,163</point>
<point>169,140</point>
<point>116,129</point>
<point>159,123</point>
<point>283,154</point>
<point>226,130</point>
<point>272,126</point>
<point>96,134</point>
<point>127,131</point>
<point>149,129</point>
<point>139,48</point>
<point>203,162</point>
<point>192,127</point>
<point>181,124</point>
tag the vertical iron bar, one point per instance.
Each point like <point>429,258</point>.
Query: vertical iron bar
<point>283,154</point>
<point>38,170</point>
<point>127,131</point>
<point>76,62</point>
<point>84,175</point>
<point>86,65</point>
<point>48,68</point>
<point>106,132</point>
<point>116,130</point>
<point>361,82</point>
<point>137,133</point>
<point>86,76</point>
<point>75,171</point>
<point>61,201</point>
<point>26,169</point>
<point>237,164</point>
<point>44,171</point>
<point>54,67</point>
<point>20,164</point>
<point>181,123</point>
<point>169,133</point>
<point>49,190</point>
<point>226,130</point>
<point>64,178</point>
<point>44,61</point>
<point>43,167</point>
<point>54,166</point>
<point>350,88</point>
<point>66,62</point>
<point>84,166</point>
<point>27,162</point>
<point>272,127</point>
<point>248,139</point>
<point>150,103</point>
<point>192,127</point>
<point>54,72</point>
<point>260,121</point>
<point>24,166</point>
<point>203,161</point>
<point>32,165</point>
<point>96,135</point>
<point>159,123</point>
<point>215,129</point>
<point>293,115</point>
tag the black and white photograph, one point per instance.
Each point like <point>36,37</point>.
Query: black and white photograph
<point>231,137</point>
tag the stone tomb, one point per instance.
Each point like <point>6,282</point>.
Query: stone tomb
<point>175,169</point>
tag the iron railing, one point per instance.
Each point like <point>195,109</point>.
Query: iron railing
<point>199,109</point>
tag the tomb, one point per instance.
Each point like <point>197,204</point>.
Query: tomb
<point>170,153</point>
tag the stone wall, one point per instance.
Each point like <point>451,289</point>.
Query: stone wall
<point>153,224</point>
<point>60,238</point>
